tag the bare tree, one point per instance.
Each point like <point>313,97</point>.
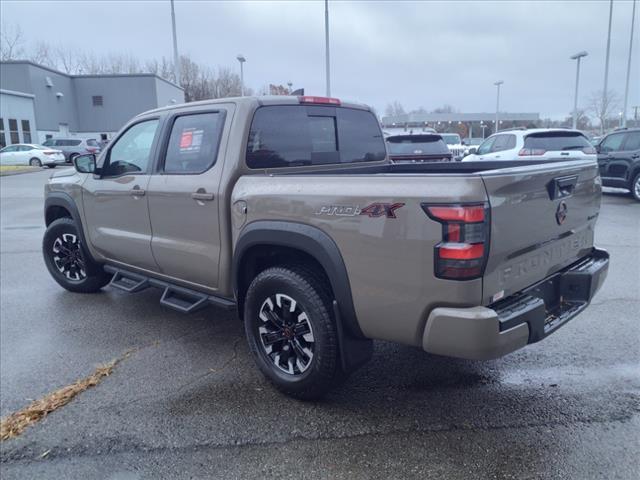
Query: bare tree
<point>68,60</point>
<point>603,106</point>
<point>583,123</point>
<point>11,43</point>
<point>393,109</point>
<point>43,54</point>
<point>446,108</point>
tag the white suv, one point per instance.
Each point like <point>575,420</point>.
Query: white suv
<point>534,144</point>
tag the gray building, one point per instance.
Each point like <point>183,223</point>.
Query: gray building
<point>41,102</point>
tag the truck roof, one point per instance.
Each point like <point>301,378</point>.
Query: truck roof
<point>259,101</point>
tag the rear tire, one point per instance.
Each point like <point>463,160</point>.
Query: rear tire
<point>66,260</point>
<point>291,332</point>
<point>635,187</point>
<point>35,162</point>
<point>72,157</point>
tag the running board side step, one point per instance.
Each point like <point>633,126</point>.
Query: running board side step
<point>184,300</point>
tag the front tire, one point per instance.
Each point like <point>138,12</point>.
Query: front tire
<point>635,187</point>
<point>35,162</point>
<point>291,332</point>
<point>66,261</point>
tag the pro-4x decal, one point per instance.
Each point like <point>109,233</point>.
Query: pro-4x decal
<point>381,209</point>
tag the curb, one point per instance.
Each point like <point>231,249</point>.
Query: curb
<point>8,173</point>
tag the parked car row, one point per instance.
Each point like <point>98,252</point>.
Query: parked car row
<point>53,152</point>
<point>29,154</point>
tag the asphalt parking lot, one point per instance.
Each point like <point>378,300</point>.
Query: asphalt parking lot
<point>188,402</point>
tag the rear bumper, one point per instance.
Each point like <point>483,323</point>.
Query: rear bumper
<point>482,333</point>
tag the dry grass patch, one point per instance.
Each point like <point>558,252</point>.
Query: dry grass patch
<point>14,424</point>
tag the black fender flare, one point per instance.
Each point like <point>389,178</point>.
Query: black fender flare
<point>355,348</point>
<point>64,200</point>
<point>310,240</point>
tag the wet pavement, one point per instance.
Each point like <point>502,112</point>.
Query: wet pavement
<point>188,401</point>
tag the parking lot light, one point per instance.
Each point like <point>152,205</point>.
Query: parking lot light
<point>241,59</point>
<point>577,57</point>
<point>497,84</point>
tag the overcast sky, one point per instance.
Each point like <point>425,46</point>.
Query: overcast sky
<point>421,53</point>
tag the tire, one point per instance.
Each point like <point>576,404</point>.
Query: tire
<point>35,162</point>
<point>635,187</point>
<point>71,157</point>
<point>286,362</point>
<point>51,165</point>
<point>66,261</point>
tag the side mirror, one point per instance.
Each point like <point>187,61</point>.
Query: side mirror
<point>85,163</point>
<point>472,150</point>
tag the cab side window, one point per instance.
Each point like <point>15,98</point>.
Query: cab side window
<point>486,146</point>
<point>193,144</point>
<point>131,153</point>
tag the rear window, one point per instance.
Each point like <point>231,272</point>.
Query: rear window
<point>92,143</point>
<point>295,135</point>
<point>556,141</point>
<point>417,145</point>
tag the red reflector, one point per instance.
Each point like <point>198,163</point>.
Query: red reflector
<point>468,214</point>
<point>461,251</point>
<point>324,100</point>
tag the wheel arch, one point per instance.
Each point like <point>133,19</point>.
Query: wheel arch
<point>61,205</point>
<point>263,239</point>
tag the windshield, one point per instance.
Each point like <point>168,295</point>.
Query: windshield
<point>451,138</point>
<point>417,145</point>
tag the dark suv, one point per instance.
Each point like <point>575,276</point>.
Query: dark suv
<point>619,160</point>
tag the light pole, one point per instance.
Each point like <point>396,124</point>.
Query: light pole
<point>577,57</point>
<point>606,64</point>
<point>626,87</point>
<point>497,84</point>
<point>241,59</point>
<point>326,39</point>
<point>176,59</point>
<point>289,84</point>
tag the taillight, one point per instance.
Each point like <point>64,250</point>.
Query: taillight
<point>91,149</point>
<point>319,100</point>
<point>526,152</point>
<point>462,253</point>
<point>49,152</point>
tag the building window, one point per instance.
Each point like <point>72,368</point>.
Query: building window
<point>26,131</point>
<point>97,100</point>
<point>48,136</point>
<point>13,131</point>
<point>2,141</point>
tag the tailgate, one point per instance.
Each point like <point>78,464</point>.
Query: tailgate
<point>542,220</point>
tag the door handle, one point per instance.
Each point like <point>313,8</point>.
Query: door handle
<point>202,195</point>
<point>137,192</point>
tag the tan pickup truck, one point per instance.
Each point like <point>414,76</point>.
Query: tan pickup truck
<point>288,209</point>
